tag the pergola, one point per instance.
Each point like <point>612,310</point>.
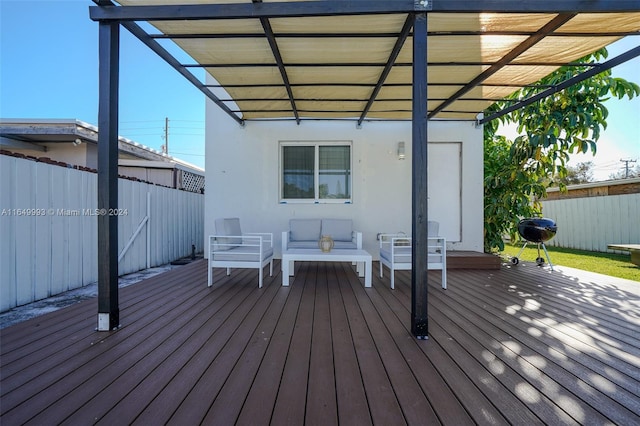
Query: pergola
<point>354,60</point>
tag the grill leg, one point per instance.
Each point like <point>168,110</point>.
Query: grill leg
<point>522,249</point>
<point>546,254</point>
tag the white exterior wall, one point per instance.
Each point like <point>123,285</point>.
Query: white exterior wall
<point>242,174</point>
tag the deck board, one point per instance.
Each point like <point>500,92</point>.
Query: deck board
<point>516,345</point>
<point>350,393</point>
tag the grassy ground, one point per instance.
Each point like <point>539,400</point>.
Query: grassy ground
<point>614,265</point>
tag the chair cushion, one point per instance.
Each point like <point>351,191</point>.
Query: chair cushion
<point>338,229</point>
<point>304,229</point>
<point>402,254</point>
<point>242,254</point>
<point>228,226</point>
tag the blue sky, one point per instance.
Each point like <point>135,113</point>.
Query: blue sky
<point>49,69</point>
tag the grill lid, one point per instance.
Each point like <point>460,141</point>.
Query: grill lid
<point>537,229</point>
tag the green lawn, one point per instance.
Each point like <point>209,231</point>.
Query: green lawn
<point>614,265</point>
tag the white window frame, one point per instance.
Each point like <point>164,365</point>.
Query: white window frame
<point>316,173</point>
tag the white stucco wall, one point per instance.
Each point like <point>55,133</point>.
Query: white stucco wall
<point>242,175</point>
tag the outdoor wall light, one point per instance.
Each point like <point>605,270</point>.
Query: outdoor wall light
<point>401,151</point>
<point>76,142</point>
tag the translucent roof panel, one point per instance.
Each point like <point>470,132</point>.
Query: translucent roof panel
<point>355,66</point>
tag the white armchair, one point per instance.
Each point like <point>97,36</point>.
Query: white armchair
<point>395,253</point>
<point>230,248</point>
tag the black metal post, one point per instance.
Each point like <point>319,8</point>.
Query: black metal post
<point>109,47</point>
<point>419,320</point>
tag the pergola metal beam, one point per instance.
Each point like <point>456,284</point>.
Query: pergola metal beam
<point>178,36</point>
<point>397,64</point>
<point>253,10</point>
<point>408,24</point>
<point>633,53</point>
<point>537,6</point>
<point>108,70</point>
<point>419,186</point>
<point>268,31</point>
<point>361,7</point>
<point>551,26</point>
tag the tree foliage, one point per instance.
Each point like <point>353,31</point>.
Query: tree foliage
<point>580,173</point>
<point>518,172</point>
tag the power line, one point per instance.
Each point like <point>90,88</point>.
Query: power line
<point>626,166</point>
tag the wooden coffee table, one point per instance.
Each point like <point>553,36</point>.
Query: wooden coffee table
<point>360,257</point>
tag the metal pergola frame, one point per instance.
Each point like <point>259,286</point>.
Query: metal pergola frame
<point>110,17</point>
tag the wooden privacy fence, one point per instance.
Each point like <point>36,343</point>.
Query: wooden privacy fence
<point>49,229</point>
<point>592,222</point>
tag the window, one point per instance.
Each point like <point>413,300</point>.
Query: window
<point>315,172</point>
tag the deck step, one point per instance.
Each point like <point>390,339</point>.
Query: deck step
<point>472,260</point>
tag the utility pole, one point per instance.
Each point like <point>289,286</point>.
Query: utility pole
<point>165,147</point>
<point>626,166</point>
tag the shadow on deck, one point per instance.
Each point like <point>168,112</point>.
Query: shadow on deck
<point>516,345</point>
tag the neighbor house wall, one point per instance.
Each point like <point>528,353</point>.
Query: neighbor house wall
<point>242,174</point>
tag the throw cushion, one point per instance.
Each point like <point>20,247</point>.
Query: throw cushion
<point>338,229</point>
<point>304,229</point>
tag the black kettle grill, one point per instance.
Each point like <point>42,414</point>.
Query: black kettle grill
<point>536,230</point>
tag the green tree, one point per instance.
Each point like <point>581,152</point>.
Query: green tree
<point>580,173</point>
<point>518,172</point>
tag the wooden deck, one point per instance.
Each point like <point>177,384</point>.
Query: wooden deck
<point>514,346</point>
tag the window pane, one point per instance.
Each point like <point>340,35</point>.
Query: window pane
<point>335,172</point>
<point>297,172</point>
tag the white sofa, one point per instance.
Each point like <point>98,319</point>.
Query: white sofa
<point>305,234</point>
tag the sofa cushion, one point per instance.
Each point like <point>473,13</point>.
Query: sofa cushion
<point>303,245</point>
<point>304,230</point>
<point>314,245</point>
<point>338,229</point>
<point>345,245</point>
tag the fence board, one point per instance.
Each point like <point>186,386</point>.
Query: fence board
<point>89,229</point>
<point>7,233</point>
<point>58,236</point>
<point>591,223</point>
<point>42,244</point>
<point>74,226</point>
<point>24,233</point>
<point>45,255</point>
